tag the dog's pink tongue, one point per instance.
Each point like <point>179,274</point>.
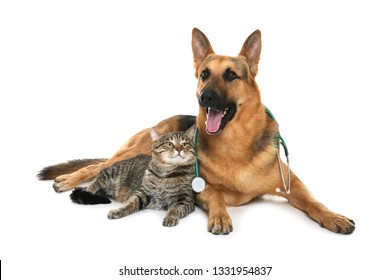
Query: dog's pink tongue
<point>214,120</point>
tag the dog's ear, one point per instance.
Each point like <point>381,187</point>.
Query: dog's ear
<point>201,47</point>
<point>252,50</point>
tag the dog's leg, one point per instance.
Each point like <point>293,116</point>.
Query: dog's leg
<point>301,198</point>
<point>138,144</point>
<point>211,200</point>
<point>70,181</point>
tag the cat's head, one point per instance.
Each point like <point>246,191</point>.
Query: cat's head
<point>174,147</point>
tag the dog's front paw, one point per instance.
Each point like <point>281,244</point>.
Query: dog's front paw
<point>337,223</point>
<point>221,224</point>
<point>64,183</point>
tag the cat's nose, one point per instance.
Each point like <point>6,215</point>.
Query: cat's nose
<point>178,149</point>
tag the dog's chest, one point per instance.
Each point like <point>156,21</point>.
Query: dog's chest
<point>243,175</point>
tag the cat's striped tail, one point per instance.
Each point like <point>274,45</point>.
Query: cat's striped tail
<point>53,171</point>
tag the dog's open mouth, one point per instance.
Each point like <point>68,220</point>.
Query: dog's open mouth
<point>217,119</point>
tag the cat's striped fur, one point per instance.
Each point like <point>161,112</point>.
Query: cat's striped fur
<point>160,182</point>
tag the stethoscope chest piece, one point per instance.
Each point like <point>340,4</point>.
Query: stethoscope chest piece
<point>198,184</point>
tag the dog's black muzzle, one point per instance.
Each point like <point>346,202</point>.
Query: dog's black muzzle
<point>218,108</point>
<point>209,98</point>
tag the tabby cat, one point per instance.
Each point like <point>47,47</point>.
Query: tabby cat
<point>161,181</point>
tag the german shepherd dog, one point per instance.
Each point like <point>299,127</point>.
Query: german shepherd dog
<point>236,150</point>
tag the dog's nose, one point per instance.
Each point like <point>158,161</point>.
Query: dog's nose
<point>208,97</point>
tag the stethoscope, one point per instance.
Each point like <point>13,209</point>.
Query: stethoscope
<point>198,183</point>
<point>277,141</point>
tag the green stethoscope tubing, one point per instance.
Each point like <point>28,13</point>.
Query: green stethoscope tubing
<point>197,169</point>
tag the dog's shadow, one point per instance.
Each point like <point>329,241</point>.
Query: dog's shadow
<point>269,212</point>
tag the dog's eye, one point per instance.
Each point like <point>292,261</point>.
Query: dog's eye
<point>205,74</point>
<point>230,75</point>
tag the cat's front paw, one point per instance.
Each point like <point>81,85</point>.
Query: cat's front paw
<point>115,214</point>
<point>170,221</point>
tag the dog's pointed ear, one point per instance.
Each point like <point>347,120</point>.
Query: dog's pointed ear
<point>201,47</point>
<point>252,50</point>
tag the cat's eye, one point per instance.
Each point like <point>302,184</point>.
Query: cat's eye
<point>169,144</point>
<point>184,144</point>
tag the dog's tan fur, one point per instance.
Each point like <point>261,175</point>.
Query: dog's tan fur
<point>240,162</point>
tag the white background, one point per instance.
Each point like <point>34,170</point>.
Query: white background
<point>78,78</point>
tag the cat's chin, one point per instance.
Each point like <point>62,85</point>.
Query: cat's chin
<point>176,160</point>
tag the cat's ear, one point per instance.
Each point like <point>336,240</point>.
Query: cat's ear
<point>191,131</point>
<point>154,135</point>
